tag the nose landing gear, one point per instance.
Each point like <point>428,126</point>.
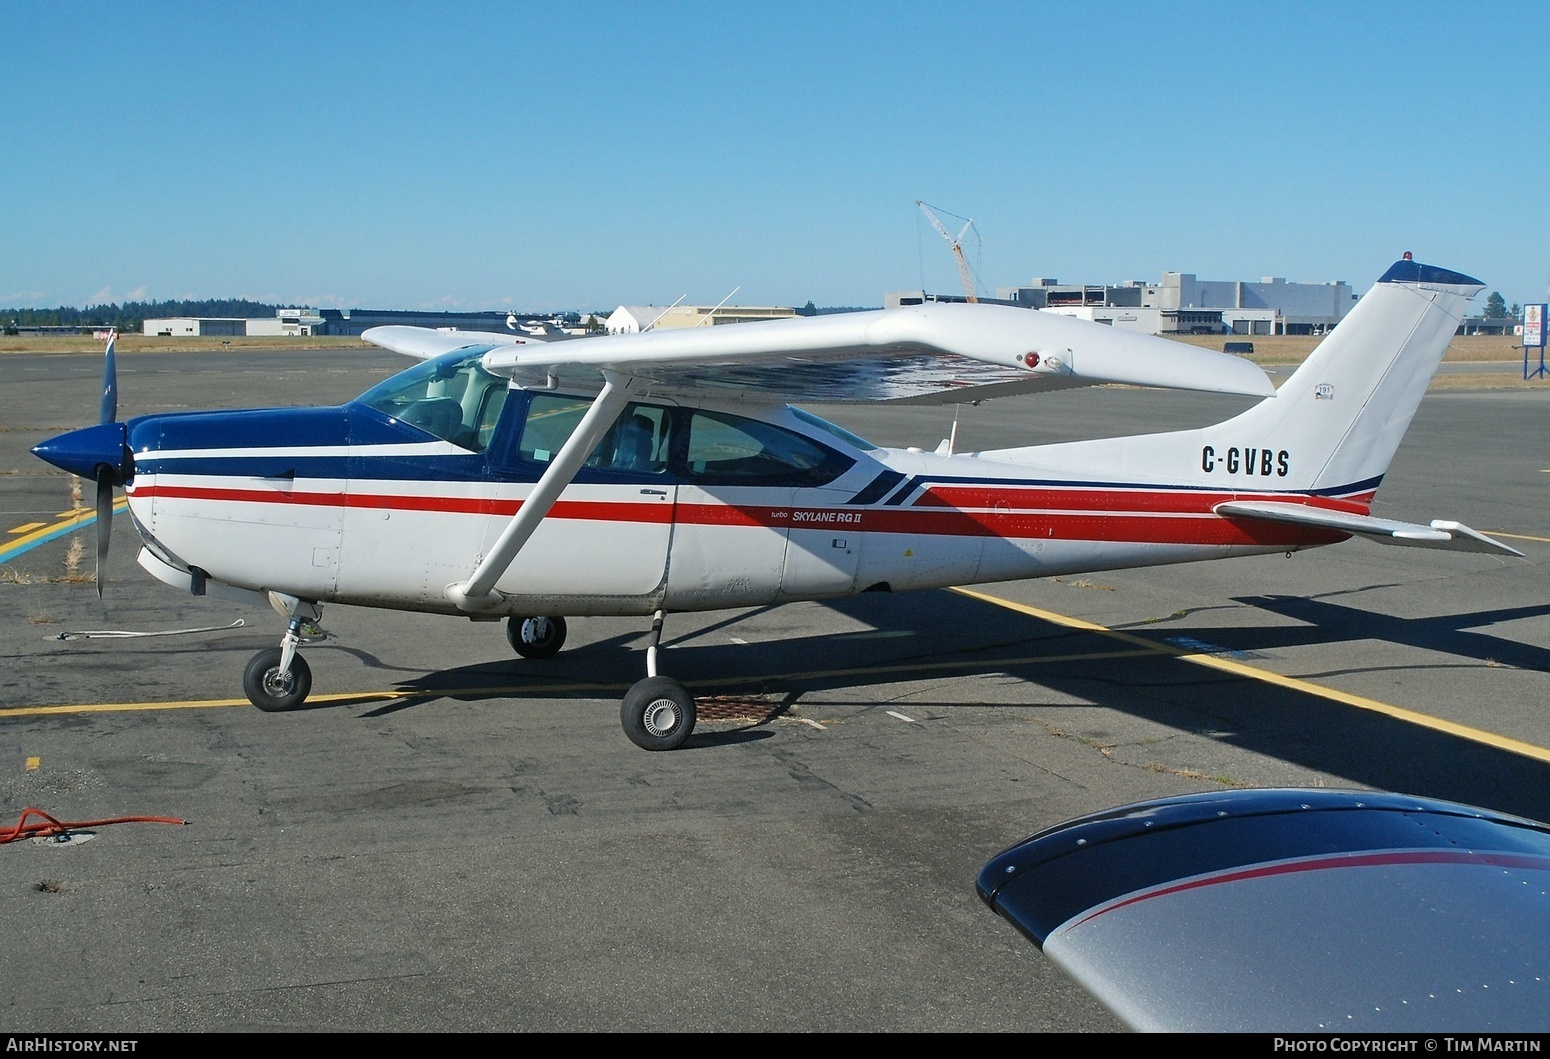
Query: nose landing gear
<point>272,688</point>
<point>278,678</point>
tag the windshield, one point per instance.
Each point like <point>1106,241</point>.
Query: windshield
<point>452,397</point>
<point>840,432</point>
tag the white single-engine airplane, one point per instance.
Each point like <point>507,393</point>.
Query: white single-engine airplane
<point>508,477</point>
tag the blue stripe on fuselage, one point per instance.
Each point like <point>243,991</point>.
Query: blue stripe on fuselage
<point>351,426</point>
<point>360,427</point>
<point>354,426</point>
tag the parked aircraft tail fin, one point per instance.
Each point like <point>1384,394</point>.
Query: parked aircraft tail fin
<point>1337,421</point>
<point>1331,428</point>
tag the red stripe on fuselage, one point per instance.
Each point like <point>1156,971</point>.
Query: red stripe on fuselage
<point>1185,519</point>
<point>607,511</point>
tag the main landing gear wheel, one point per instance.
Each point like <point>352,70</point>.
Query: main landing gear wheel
<point>273,691</point>
<point>658,714</point>
<point>538,637</point>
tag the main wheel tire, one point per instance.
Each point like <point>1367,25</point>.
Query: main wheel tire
<point>535,637</point>
<point>269,689</point>
<point>658,714</point>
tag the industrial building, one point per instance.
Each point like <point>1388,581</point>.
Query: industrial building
<point>1179,303</point>
<point>1182,303</point>
<point>308,321</point>
<point>356,321</point>
<point>194,326</point>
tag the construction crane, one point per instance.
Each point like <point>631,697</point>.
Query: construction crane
<point>964,273</point>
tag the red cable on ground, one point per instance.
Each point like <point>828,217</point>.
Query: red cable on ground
<point>49,827</point>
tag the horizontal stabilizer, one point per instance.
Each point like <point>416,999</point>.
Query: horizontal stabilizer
<point>1439,534</point>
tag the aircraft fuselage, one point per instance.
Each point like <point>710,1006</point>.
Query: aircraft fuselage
<point>386,501</point>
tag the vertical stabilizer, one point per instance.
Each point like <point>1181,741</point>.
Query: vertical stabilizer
<point>1342,414</point>
<point>1331,428</point>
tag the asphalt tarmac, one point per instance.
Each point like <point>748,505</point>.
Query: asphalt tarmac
<point>448,837</point>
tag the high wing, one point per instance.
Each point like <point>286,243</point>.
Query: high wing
<point>944,353</point>
<point>1292,910</point>
<point>1440,533</point>
<point>929,354</point>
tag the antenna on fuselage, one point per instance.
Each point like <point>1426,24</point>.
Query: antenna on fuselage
<point>949,444</point>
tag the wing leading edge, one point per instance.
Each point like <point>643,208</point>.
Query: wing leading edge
<point>939,354</point>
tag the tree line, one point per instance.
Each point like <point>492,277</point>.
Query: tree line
<point>130,315</point>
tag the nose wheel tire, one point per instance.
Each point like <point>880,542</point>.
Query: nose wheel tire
<point>658,714</point>
<point>536,637</point>
<point>273,691</point>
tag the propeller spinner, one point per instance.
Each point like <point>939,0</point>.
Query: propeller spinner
<point>100,453</point>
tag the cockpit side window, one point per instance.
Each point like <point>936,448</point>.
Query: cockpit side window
<point>451,397</point>
<point>550,420</point>
<point>637,442</point>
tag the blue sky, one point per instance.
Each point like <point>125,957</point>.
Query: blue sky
<point>582,155</point>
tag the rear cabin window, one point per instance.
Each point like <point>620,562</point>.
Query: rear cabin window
<point>730,450</point>
<point>697,446</point>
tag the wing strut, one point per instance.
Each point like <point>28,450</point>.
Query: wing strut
<point>478,592</point>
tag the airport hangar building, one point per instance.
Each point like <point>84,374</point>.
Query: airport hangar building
<point>300,322</point>
<point>1180,304</point>
<point>626,319</point>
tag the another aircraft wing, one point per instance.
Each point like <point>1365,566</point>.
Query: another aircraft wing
<point>940,354</point>
<point>426,342</point>
<point>1292,910</point>
<point>1454,536</point>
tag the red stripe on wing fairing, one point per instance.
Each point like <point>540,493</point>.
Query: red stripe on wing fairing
<point>1388,858</point>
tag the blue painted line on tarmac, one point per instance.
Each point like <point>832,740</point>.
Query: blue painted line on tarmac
<point>43,536</point>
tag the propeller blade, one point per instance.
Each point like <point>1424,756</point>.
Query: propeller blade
<point>104,523</point>
<point>110,384</point>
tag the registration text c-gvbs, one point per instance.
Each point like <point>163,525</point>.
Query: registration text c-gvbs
<point>1261,462</point>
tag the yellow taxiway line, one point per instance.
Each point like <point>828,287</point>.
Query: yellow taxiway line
<point>1227,665</point>
<point>1138,646</point>
<point>400,694</point>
